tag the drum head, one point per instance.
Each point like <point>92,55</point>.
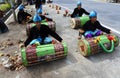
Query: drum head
<point>73,23</point>
<point>83,47</point>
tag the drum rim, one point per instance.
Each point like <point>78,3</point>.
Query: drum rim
<point>85,44</point>
<point>72,22</point>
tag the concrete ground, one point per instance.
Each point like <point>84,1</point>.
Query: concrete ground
<point>100,65</point>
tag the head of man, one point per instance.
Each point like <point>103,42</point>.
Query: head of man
<point>21,8</point>
<point>37,20</point>
<point>79,5</point>
<point>93,16</point>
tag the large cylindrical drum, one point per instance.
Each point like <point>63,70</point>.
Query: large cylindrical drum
<point>43,53</point>
<point>51,24</point>
<point>90,46</point>
<point>78,22</point>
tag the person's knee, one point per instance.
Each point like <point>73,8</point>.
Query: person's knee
<point>88,35</point>
<point>99,32</point>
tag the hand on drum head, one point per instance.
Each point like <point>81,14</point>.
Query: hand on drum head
<point>58,42</point>
<point>79,37</point>
<point>81,31</point>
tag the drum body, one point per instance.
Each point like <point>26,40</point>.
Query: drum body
<point>89,46</point>
<point>51,24</point>
<point>78,22</point>
<point>43,53</point>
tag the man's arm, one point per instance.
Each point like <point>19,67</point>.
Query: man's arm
<point>30,38</point>
<point>74,13</point>
<point>54,34</point>
<point>27,14</point>
<point>99,26</point>
<point>87,13</point>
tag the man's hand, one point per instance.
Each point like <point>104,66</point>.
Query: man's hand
<point>110,32</point>
<point>28,46</point>
<point>58,42</point>
<point>81,31</point>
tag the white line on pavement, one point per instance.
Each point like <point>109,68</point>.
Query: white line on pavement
<point>102,24</point>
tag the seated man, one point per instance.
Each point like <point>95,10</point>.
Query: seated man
<point>38,4</point>
<point>93,27</point>
<point>40,32</point>
<point>22,16</point>
<point>43,17</point>
<point>78,12</point>
<point>39,11</point>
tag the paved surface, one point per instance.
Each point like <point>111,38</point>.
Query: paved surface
<point>101,65</point>
<point>108,13</point>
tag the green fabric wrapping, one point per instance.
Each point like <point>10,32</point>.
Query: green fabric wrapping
<point>106,50</point>
<point>43,22</point>
<point>104,39</point>
<point>23,55</point>
<point>43,50</point>
<point>84,19</point>
<point>65,48</point>
<point>117,40</point>
<point>88,48</point>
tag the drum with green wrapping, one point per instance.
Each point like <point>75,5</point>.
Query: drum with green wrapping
<point>79,22</point>
<point>51,24</point>
<point>103,43</point>
<point>43,53</point>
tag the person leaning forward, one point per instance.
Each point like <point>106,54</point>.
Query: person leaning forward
<point>41,31</point>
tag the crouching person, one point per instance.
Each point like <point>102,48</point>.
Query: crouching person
<point>79,11</point>
<point>93,27</point>
<point>22,16</point>
<point>40,33</point>
<point>39,11</point>
<point>3,27</point>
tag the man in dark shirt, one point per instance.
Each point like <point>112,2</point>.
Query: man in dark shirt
<point>43,17</point>
<point>38,4</point>
<point>40,31</point>
<point>22,16</point>
<point>78,12</point>
<point>93,27</point>
<point>39,11</point>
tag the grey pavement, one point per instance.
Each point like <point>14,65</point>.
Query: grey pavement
<point>108,13</point>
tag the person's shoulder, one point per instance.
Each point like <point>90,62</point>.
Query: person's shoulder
<point>83,9</point>
<point>97,22</point>
<point>88,21</point>
<point>33,28</point>
<point>76,8</point>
